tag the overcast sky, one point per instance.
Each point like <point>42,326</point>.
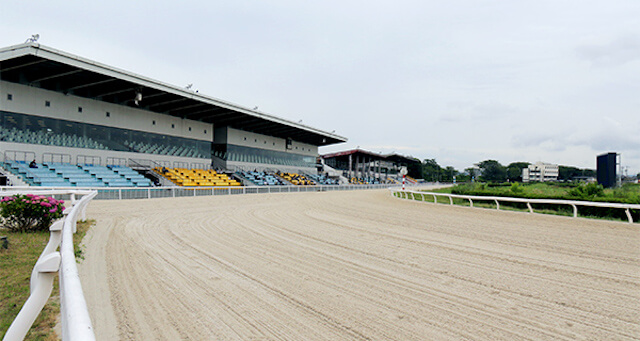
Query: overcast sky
<point>459,81</point>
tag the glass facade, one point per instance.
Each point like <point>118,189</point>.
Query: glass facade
<point>233,153</point>
<point>23,128</point>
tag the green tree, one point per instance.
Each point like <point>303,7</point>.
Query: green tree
<point>431,170</point>
<point>472,173</point>
<point>448,173</point>
<point>414,170</point>
<point>514,171</point>
<point>568,173</point>
<point>492,170</point>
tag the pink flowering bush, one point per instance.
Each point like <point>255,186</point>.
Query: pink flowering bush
<point>29,212</point>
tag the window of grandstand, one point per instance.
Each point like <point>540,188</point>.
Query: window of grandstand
<point>235,153</point>
<point>22,128</point>
<point>9,97</point>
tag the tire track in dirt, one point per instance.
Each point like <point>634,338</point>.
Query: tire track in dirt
<point>355,265</point>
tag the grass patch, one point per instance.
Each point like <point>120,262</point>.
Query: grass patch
<point>16,264</point>
<point>628,193</point>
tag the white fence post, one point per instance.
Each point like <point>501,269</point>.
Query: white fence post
<point>44,271</point>
<point>75,316</point>
<point>528,202</point>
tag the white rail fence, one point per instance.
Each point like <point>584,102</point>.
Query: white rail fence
<point>414,195</point>
<point>76,323</point>
<point>120,193</point>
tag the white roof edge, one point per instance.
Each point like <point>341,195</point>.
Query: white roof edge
<point>71,59</point>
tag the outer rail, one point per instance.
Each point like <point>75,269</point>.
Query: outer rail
<point>573,203</point>
<point>76,324</point>
<point>120,193</point>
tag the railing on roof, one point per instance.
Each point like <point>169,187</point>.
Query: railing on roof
<point>76,323</point>
<point>573,203</point>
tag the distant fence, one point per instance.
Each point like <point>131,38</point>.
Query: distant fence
<point>76,323</point>
<point>414,195</point>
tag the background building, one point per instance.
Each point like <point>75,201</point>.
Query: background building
<point>540,172</point>
<point>357,165</point>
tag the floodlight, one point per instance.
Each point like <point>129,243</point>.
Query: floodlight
<point>138,98</point>
<point>34,38</point>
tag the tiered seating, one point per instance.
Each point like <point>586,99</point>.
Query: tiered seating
<point>40,176</point>
<point>142,147</point>
<point>364,181</point>
<point>131,175</point>
<point>322,179</point>
<point>297,179</point>
<point>67,175</point>
<point>106,175</point>
<point>48,138</point>
<point>356,181</point>
<point>75,175</point>
<point>262,178</point>
<point>252,158</point>
<point>196,177</point>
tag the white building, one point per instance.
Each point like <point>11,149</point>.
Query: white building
<point>540,172</point>
<point>58,107</point>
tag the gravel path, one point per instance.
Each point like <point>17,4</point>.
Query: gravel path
<point>357,265</point>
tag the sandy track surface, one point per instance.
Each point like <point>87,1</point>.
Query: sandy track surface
<point>358,265</point>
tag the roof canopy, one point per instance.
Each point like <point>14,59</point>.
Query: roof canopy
<point>47,68</point>
<point>395,158</point>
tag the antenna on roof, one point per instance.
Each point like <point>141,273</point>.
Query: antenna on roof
<point>189,86</point>
<point>34,38</point>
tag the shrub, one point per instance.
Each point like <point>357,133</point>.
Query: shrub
<point>516,188</point>
<point>588,191</point>
<point>23,213</point>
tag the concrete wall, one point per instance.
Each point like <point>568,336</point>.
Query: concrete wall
<point>31,100</point>
<point>248,139</point>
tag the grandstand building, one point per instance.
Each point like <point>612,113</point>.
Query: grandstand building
<point>58,107</point>
<point>361,166</point>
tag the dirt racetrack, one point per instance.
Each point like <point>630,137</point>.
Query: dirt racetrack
<point>358,265</point>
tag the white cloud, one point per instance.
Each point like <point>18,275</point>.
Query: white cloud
<point>460,81</point>
<point>617,51</point>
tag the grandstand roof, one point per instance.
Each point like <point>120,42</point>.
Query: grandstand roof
<point>353,151</point>
<point>44,67</point>
<point>397,158</point>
